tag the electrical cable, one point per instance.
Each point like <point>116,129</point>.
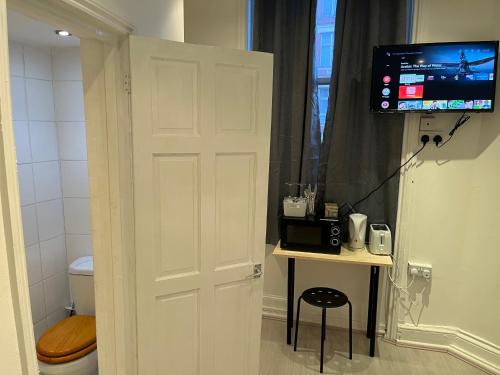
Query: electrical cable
<point>445,142</point>
<point>425,139</point>
<point>461,120</point>
<point>390,176</point>
<point>396,272</point>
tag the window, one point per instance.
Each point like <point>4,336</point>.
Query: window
<point>323,94</point>
<point>325,36</point>
<point>328,8</point>
<point>326,50</point>
<point>249,24</point>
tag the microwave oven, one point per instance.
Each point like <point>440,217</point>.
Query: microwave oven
<point>311,234</point>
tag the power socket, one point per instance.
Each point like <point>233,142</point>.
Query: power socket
<point>431,134</point>
<point>430,126</point>
<point>420,270</point>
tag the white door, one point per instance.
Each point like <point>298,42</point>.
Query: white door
<point>201,127</point>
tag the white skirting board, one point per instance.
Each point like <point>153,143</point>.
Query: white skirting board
<point>463,345</point>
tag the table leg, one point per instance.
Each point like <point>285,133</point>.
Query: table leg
<point>373,319</point>
<point>289,309</point>
<point>370,301</point>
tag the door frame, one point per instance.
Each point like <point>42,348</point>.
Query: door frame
<point>104,56</point>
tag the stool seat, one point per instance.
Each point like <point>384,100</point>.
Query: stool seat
<point>324,297</point>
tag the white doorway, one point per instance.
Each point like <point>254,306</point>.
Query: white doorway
<point>51,161</point>
<point>101,32</point>
<point>51,152</point>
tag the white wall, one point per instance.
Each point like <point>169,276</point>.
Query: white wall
<point>217,22</point>
<point>157,18</point>
<point>455,211</point>
<point>49,128</point>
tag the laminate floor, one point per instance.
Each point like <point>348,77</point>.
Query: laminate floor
<point>277,358</point>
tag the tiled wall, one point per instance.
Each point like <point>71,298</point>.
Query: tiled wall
<point>69,114</point>
<point>47,100</point>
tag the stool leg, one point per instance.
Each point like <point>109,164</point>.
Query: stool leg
<point>297,325</point>
<point>324,333</point>
<point>323,327</point>
<point>350,329</point>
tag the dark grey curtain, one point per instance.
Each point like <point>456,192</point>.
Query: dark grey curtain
<point>360,148</point>
<point>286,28</point>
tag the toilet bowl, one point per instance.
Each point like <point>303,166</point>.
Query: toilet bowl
<point>69,347</point>
<point>86,365</point>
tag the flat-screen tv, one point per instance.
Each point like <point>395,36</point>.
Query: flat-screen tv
<point>434,77</point>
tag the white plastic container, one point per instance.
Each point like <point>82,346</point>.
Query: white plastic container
<point>295,207</point>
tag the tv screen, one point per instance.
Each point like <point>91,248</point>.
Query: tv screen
<point>434,77</point>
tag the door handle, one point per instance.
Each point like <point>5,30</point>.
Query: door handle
<point>257,272</point>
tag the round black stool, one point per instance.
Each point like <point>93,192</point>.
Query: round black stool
<point>326,298</point>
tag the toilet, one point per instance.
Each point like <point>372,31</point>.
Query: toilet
<point>69,347</point>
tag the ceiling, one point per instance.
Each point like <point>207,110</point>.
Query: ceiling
<point>26,30</point>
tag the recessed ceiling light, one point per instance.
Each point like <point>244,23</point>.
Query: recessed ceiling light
<point>63,33</point>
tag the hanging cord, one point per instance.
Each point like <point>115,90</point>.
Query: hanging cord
<point>461,120</point>
<point>392,174</point>
<point>404,289</point>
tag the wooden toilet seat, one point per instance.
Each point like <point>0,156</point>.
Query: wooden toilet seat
<point>68,340</point>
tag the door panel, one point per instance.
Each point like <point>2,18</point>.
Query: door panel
<point>177,190</point>
<point>174,96</point>
<point>236,89</point>
<point>232,324</point>
<point>235,201</point>
<point>201,125</point>
<point>180,334</point>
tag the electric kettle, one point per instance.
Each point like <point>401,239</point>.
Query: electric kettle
<point>357,231</point>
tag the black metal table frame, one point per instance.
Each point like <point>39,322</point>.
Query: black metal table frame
<point>371,326</point>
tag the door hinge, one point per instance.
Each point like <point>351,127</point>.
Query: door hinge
<point>126,83</point>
